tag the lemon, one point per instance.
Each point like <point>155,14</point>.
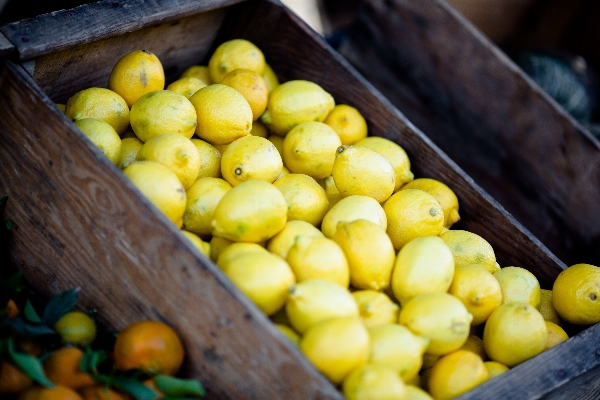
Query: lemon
<point>415,381</point>
<point>161,186</point>
<point>514,333</point>
<point>470,248</point>
<point>369,252</point>
<point>234,54</point>
<point>283,241</point>
<point>259,129</point>
<point>359,170</point>
<point>129,149</point>
<point>394,153</point>
<point>103,136</point>
<point>412,213</point>
<point>478,289</point>
<point>210,159</point>
<point>350,209</point>
<point>289,333</point>
<point>440,317</point>
<point>375,307</point>
<point>306,199</point>
<point>295,102</point>
<point>442,193</point>
<point>186,86</point>
<point>62,107</point>
<point>223,114</point>
<point>315,300</point>
<point>262,276</point>
<point>423,265</point>
<point>575,294</point>
<point>475,344</point>
<point>336,346</point>
<point>310,148</point>
<point>332,192</point>
<point>200,244</point>
<point>556,335</point>
<point>396,347</point>
<point>75,327</point>
<point>455,374</point>
<point>197,71</point>
<point>429,361</point>
<point>519,285</point>
<point>217,246</point>
<point>270,78</point>
<point>277,142</point>
<point>547,308</point>
<point>163,111</point>
<point>313,257</point>
<point>129,134</point>
<point>175,152</point>
<point>494,368</point>
<point>202,199</point>
<point>416,393</point>
<point>250,157</point>
<point>135,74</point>
<point>99,103</point>
<point>348,123</point>
<point>252,211</point>
<point>373,382</point>
<point>252,86</point>
<point>284,172</point>
<point>236,249</point>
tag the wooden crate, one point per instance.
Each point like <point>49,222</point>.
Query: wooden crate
<point>80,222</point>
<point>483,111</point>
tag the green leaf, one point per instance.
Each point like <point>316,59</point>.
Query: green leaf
<point>177,387</point>
<point>59,305</point>
<point>26,329</point>
<point>7,223</point>
<point>91,360</point>
<point>29,365</point>
<point>30,313</point>
<point>135,388</point>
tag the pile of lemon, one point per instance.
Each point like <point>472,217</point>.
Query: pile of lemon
<point>325,228</point>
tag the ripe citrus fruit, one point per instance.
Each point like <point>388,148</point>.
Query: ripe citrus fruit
<point>129,149</point>
<point>470,248</point>
<point>186,86</point>
<point>12,379</point>
<point>62,368</point>
<point>494,368</point>
<point>202,199</point>
<point>395,155</point>
<point>210,159</point>
<point>306,198</point>
<point>270,78</point>
<point>289,333</point>
<point>76,327</point>
<point>44,393</point>
<point>547,308</point>
<point>478,289</point>
<point>197,71</point>
<point>250,157</point>
<point>348,123</point>
<point>556,335</point>
<point>314,257</point>
<point>252,86</point>
<point>103,136</point>
<point>576,294</point>
<point>236,249</point>
<point>375,307</point>
<point>283,241</point>
<point>201,245</point>
<point>455,374</point>
<point>332,192</point>
<point>101,392</point>
<point>234,54</point>
<point>99,103</point>
<point>350,209</point>
<point>475,344</point>
<point>135,74</point>
<point>518,285</point>
<point>373,382</point>
<point>442,193</point>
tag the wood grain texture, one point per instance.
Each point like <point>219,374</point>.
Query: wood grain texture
<point>78,222</point>
<point>487,115</point>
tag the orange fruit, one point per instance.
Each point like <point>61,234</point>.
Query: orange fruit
<point>44,393</point>
<point>12,379</point>
<point>100,392</point>
<point>62,368</point>
<point>11,309</point>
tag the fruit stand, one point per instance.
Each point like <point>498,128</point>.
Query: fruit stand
<point>78,221</point>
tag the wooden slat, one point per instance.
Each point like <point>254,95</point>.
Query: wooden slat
<point>55,31</point>
<point>6,47</point>
<point>79,222</point>
<point>487,115</point>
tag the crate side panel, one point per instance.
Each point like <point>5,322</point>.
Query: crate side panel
<point>78,222</point>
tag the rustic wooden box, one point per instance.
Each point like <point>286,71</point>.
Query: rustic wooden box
<point>80,222</point>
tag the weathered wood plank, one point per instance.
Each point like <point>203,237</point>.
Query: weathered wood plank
<point>79,222</point>
<point>488,116</point>
<point>6,47</point>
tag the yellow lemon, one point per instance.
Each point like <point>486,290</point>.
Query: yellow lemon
<point>547,308</point>
<point>270,78</point>
<point>394,153</point>
<point>162,111</point>
<point>252,211</point>
<point>289,333</point>
<point>175,152</point>
<point>375,307</point>
<point>283,241</point>
<point>440,317</point>
<point>396,347</point>
<point>223,114</point>
<point>416,393</point>
<point>478,289</point>
<point>250,157</point>
<point>359,170</point>
<point>350,209</point>
<point>161,186</point>
<point>410,214</point>
<point>442,193</point>
<point>252,86</point>
<point>236,249</point>
<point>203,197</point>
<point>129,149</point>
<point>514,333</point>
<point>129,134</point>
<point>99,103</point>
<point>259,129</point>
<point>373,382</point>
<point>556,335</point>
<point>519,285</point>
<point>277,142</point>
<point>197,71</point>
<point>348,123</point>
<point>332,192</point>
<point>295,102</point>
<point>336,346</point>
<point>455,374</point>
<point>494,368</point>
<point>306,198</point>
<point>187,86</point>
<point>475,344</point>
<point>103,136</point>
<point>314,257</point>
<point>423,265</point>
<point>310,148</point>
<point>210,159</point>
<point>62,107</point>
<point>200,244</point>
<point>262,276</point>
<point>576,294</point>
<point>135,74</point>
<point>234,54</point>
<point>217,246</point>
<point>315,300</point>
<point>369,251</point>
<point>470,248</point>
